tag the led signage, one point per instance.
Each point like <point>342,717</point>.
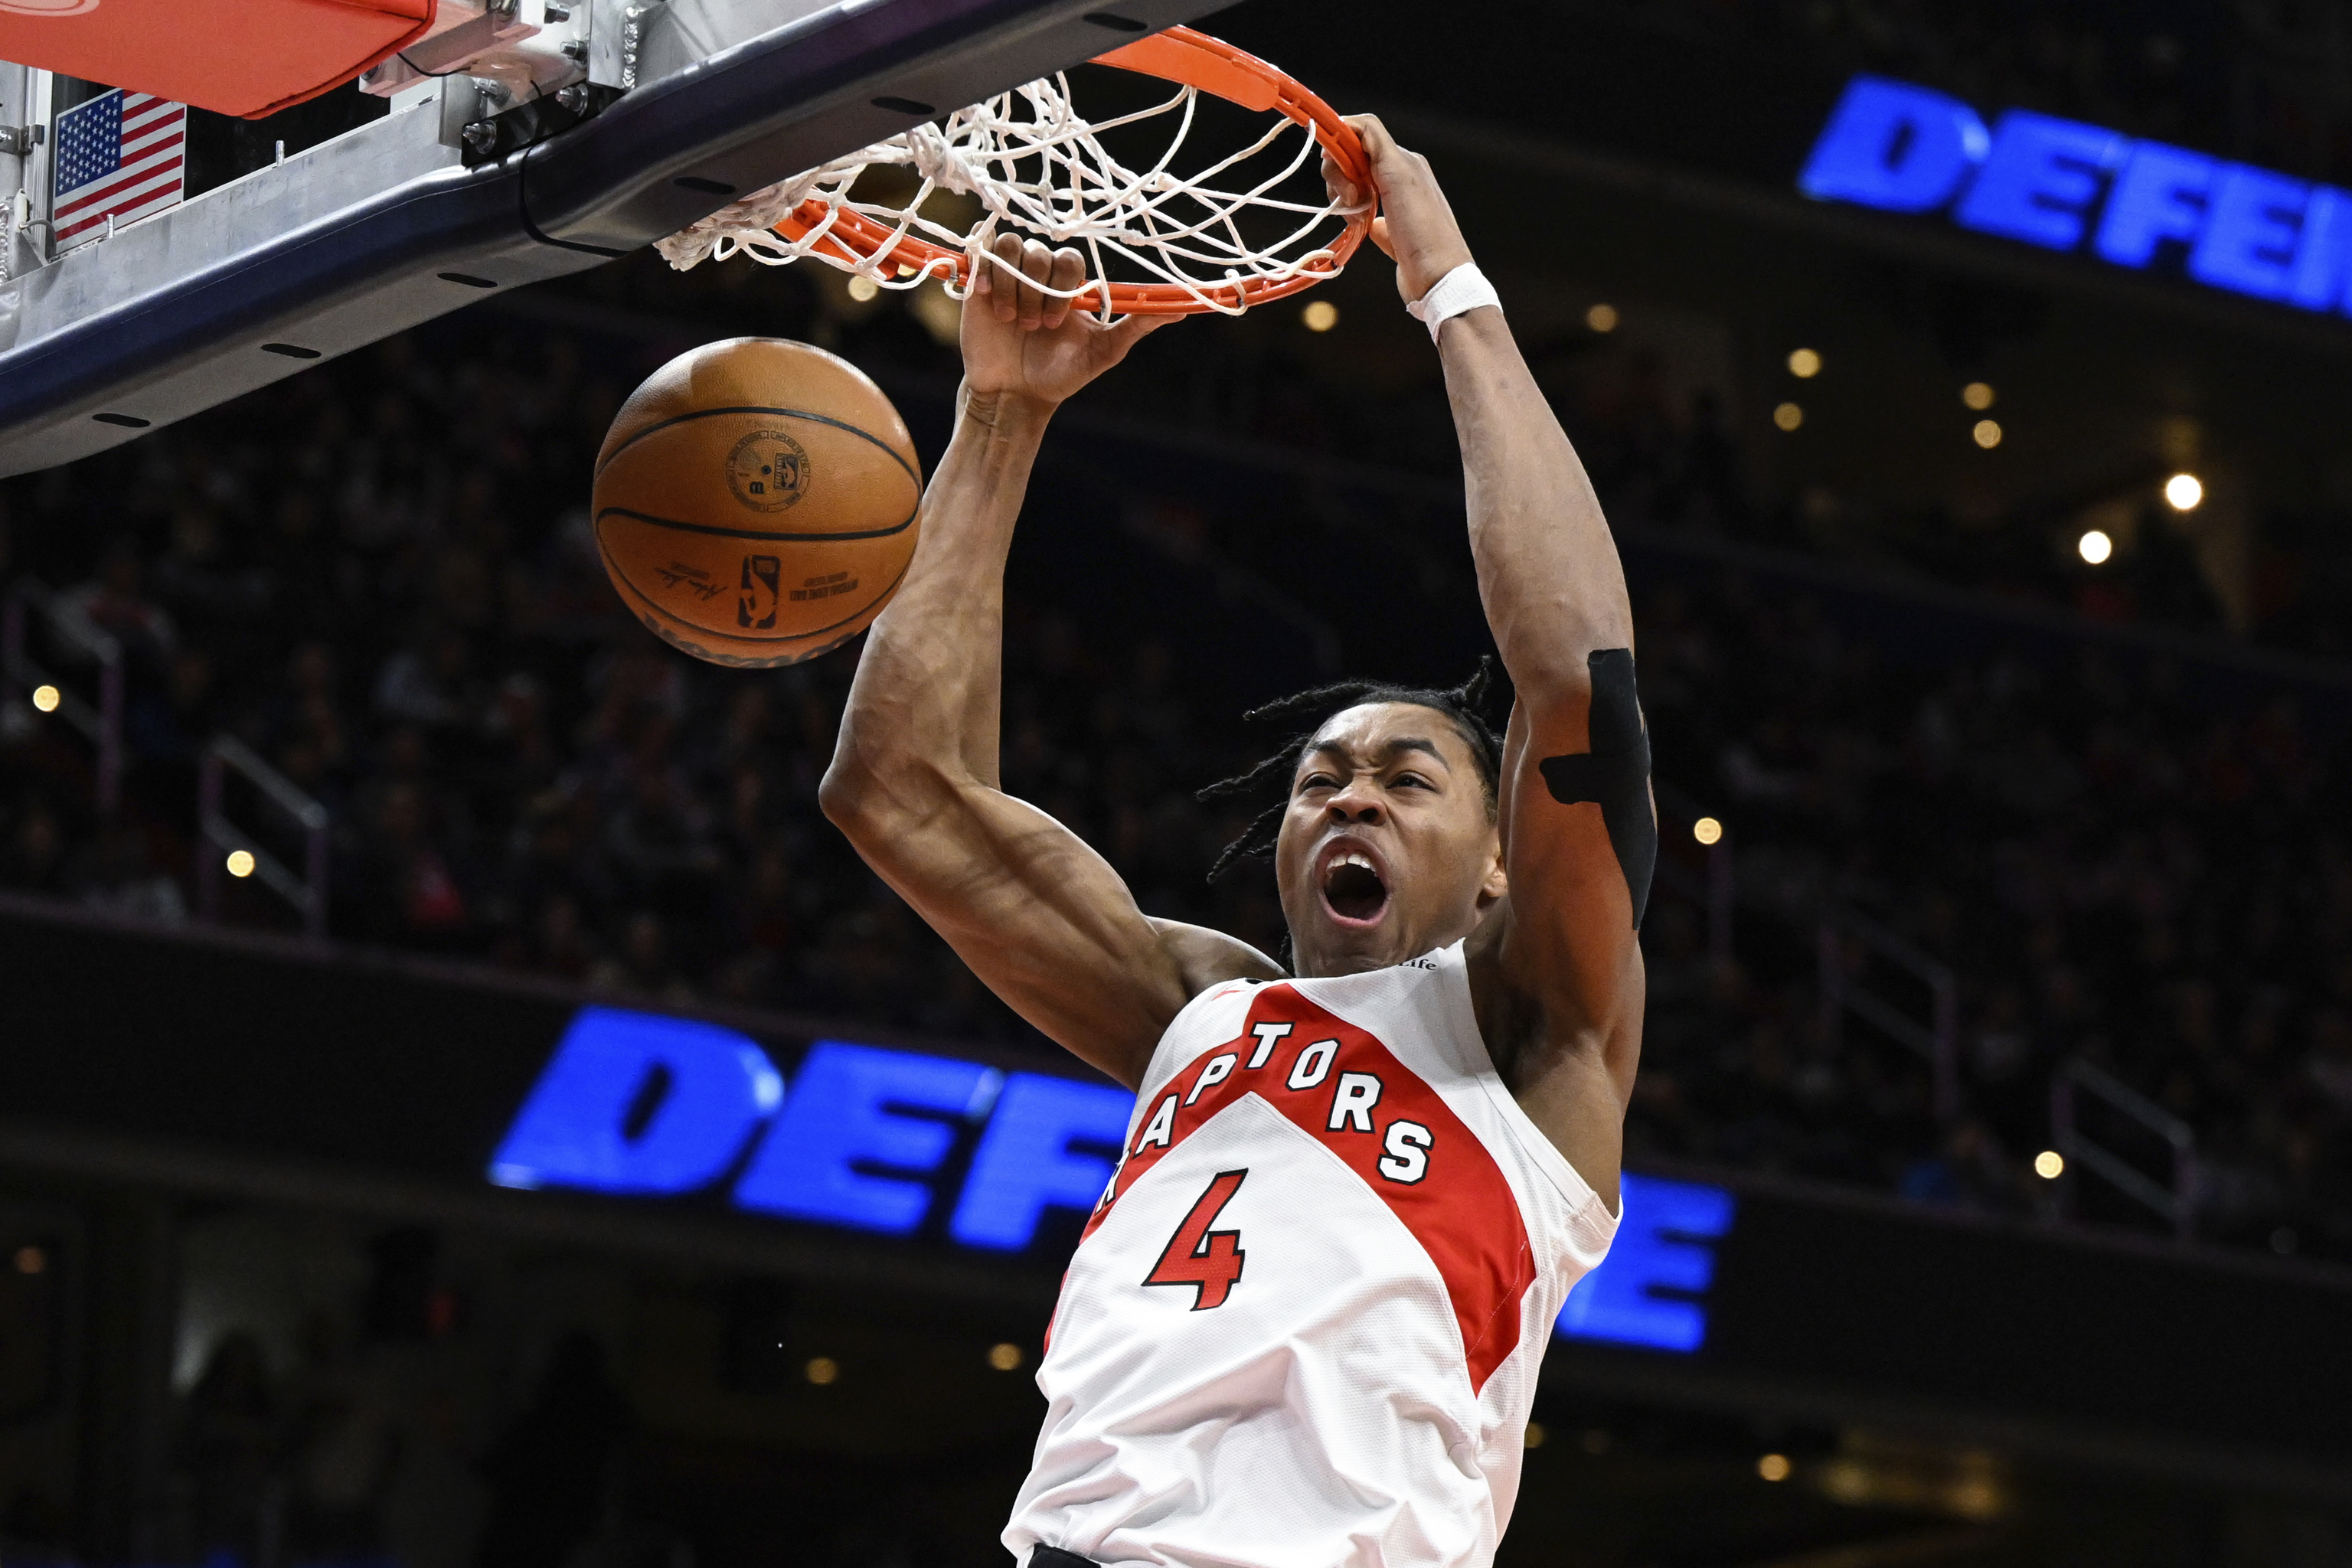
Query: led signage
<point>2068,186</point>
<point>638,1105</point>
<point>1652,1288</point>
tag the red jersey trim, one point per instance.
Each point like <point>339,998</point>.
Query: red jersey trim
<point>1343,1087</point>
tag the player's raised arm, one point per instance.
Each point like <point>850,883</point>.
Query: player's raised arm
<point>1039,916</point>
<point>1558,971</point>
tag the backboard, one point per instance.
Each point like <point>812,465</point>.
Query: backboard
<point>591,129</point>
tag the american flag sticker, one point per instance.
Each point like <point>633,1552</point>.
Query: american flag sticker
<point>121,155</point>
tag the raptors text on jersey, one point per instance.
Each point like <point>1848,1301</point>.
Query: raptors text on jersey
<point>1303,1327</point>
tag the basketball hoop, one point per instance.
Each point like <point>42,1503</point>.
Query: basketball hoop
<point>1035,165</point>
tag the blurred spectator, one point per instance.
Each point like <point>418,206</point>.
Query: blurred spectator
<point>228,1450</point>
<point>115,875</point>
<point>549,1472</point>
<point>343,1451</point>
<point>115,603</point>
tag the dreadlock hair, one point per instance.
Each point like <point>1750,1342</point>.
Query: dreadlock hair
<point>1468,705</point>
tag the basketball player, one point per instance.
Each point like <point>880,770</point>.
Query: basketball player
<point>1303,1328</point>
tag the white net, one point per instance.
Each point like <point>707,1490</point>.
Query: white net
<point>1035,165</point>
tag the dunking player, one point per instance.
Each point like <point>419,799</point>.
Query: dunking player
<point>1303,1328</point>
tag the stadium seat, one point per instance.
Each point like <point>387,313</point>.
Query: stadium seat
<point>245,57</point>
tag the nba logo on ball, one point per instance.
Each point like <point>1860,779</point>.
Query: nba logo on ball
<point>768,470</point>
<point>757,607</point>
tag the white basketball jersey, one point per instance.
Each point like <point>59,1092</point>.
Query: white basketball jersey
<point>1303,1327</point>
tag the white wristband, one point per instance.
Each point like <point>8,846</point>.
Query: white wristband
<point>1463,289</point>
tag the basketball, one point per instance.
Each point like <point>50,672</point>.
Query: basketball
<point>755,502</point>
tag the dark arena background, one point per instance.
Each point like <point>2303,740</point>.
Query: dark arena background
<point>375,887</point>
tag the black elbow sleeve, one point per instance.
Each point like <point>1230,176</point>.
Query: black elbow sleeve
<point>1615,773</point>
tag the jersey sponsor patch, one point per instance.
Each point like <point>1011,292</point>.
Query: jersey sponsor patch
<point>1348,1090</point>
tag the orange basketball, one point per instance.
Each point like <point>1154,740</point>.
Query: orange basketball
<point>755,502</point>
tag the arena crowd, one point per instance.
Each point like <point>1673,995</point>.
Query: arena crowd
<point>378,574</point>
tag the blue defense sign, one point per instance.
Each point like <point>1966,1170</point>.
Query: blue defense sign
<point>2068,186</point>
<point>639,1105</point>
<point>1650,1290</point>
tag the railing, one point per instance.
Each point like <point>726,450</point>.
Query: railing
<point>227,848</point>
<point>100,724</point>
<point>1937,1039</point>
<point>2176,1204</point>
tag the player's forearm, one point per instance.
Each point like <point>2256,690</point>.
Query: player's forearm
<point>926,693</point>
<point>1547,568</point>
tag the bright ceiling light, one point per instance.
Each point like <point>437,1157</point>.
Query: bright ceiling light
<point>1602,317</point>
<point>1320,315</point>
<point>1805,363</point>
<point>1978,394</point>
<point>1707,830</point>
<point>2184,491</point>
<point>1788,417</point>
<point>1987,434</point>
<point>2050,1164</point>
<point>2094,546</point>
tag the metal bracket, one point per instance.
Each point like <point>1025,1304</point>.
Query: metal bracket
<point>492,137</point>
<point>18,141</point>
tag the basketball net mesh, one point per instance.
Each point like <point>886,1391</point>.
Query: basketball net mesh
<point>1037,166</point>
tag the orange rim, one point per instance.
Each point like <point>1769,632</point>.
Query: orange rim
<point>1193,59</point>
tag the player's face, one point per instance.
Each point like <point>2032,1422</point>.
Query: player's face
<point>1387,850</point>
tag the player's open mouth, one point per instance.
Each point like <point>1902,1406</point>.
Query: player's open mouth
<point>1352,889</point>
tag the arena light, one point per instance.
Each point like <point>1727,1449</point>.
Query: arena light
<point>1533,1435</point>
<point>1788,417</point>
<point>1602,317</point>
<point>1978,394</point>
<point>1773,1467</point>
<point>31,1260</point>
<point>240,863</point>
<point>1707,830</point>
<point>2184,492</point>
<point>1805,363</point>
<point>863,290</point>
<point>46,697</point>
<point>1005,1357</point>
<point>2050,1164</point>
<point>822,1369</point>
<point>1986,432</point>
<point>2094,546</point>
<point>1320,316</point>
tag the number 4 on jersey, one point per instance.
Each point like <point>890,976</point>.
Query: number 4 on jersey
<point>1208,1260</point>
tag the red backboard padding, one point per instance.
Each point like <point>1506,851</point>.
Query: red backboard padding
<point>247,57</point>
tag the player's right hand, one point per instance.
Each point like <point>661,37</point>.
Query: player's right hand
<point>1416,229</point>
<point>1020,340</point>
